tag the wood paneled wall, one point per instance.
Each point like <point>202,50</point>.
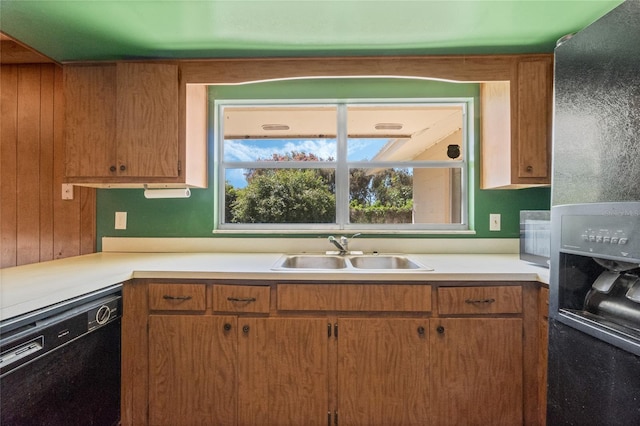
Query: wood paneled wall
<point>36,225</point>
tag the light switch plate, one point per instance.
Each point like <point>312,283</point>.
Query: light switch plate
<point>121,220</point>
<point>494,222</point>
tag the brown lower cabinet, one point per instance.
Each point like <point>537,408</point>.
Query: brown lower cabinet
<point>383,371</point>
<point>297,362</point>
<point>192,370</point>
<point>476,371</point>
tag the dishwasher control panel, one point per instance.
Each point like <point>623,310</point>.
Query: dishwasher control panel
<point>104,313</point>
<point>37,338</point>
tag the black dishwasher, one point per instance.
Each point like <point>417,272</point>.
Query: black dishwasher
<point>61,365</point>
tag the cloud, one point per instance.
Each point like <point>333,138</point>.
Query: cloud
<point>238,151</point>
<point>235,177</point>
<point>252,150</point>
<point>362,149</point>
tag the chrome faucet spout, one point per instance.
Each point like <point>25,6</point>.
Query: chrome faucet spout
<point>343,244</point>
<point>341,247</point>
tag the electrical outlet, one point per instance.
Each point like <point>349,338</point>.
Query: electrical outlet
<point>494,222</point>
<point>67,191</point>
<point>121,220</point>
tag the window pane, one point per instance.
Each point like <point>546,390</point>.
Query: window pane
<point>341,165</point>
<point>405,196</point>
<point>405,133</point>
<point>290,132</point>
<point>269,196</point>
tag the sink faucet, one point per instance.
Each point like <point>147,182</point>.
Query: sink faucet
<point>343,244</point>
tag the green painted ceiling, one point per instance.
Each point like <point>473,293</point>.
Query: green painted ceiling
<point>68,30</point>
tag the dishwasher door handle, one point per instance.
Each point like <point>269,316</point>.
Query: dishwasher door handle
<point>24,350</point>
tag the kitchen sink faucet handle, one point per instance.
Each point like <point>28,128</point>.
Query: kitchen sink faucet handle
<point>343,244</point>
<point>345,240</point>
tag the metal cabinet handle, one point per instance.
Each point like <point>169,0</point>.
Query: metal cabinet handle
<point>479,301</point>
<point>241,299</point>
<point>123,167</point>
<point>168,297</point>
<point>112,169</point>
<point>440,329</point>
<point>421,330</point>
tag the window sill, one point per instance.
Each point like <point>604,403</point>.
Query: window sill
<point>275,233</point>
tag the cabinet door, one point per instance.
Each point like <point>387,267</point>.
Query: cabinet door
<point>147,117</point>
<point>90,121</point>
<point>516,125</point>
<point>383,371</point>
<point>298,371</point>
<point>253,371</point>
<point>535,82</point>
<point>476,371</point>
<point>192,370</point>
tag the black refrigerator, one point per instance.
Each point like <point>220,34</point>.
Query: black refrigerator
<point>593,380</point>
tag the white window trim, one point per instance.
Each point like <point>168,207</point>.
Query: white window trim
<point>342,188</point>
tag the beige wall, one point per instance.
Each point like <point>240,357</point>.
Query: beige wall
<point>432,187</point>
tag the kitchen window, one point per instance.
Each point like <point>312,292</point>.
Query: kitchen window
<point>353,165</point>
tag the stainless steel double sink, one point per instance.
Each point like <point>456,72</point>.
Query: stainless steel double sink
<point>349,261</point>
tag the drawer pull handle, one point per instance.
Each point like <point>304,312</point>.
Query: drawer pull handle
<point>167,297</point>
<point>241,299</point>
<point>479,301</point>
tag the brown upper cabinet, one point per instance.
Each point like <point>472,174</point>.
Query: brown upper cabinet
<point>133,123</point>
<point>516,153</point>
<point>515,99</point>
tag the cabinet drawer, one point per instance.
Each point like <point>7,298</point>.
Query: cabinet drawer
<point>354,297</point>
<point>241,298</point>
<point>177,297</point>
<point>480,300</point>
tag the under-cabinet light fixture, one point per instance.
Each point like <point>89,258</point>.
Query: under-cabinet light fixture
<point>275,127</point>
<point>388,126</point>
<point>167,193</point>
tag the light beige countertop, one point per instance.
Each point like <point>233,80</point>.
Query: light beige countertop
<point>27,288</point>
